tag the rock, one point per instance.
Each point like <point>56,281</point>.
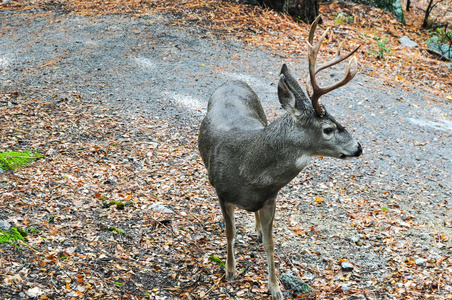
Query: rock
<point>346,266</point>
<point>436,47</point>
<point>420,262</point>
<point>296,285</point>
<point>354,239</point>
<point>404,224</point>
<point>161,208</point>
<point>407,42</point>
<point>109,181</point>
<point>345,288</point>
<point>440,245</point>
<point>5,225</point>
<point>34,292</point>
<point>308,276</point>
<point>398,11</point>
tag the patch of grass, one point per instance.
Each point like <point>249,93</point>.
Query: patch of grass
<point>217,260</point>
<point>12,236</point>
<point>33,230</point>
<point>342,18</point>
<point>14,160</point>
<point>52,219</point>
<point>116,230</point>
<point>119,205</point>
<point>23,232</point>
<point>383,50</point>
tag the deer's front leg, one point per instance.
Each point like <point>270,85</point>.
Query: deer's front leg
<point>229,221</point>
<point>266,215</point>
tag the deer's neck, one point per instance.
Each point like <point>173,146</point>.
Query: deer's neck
<point>274,158</point>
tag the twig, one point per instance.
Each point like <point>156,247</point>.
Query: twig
<point>215,284</point>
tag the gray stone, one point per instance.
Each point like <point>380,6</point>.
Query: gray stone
<point>355,239</point>
<point>161,208</point>
<point>5,225</point>
<point>434,44</point>
<point>420,262</point>
<point>298,286</point>
<point>398,11</point>
<point>345,288</point>
<point>346,266</point>
<point>407,42</point>
<point>34,292</point>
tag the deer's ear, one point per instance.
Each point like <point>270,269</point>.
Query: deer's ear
<point>302,102</point>
<point>287,97</point>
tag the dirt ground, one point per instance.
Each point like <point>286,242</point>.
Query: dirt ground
<point>147,82</point>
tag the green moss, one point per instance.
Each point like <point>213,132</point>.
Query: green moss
<point>217,260</point>
<point>23,232</point>
<point>296,285</point>
<point>119,205</point>
<point>11,236</point>
<point>33,230</point>
<point>52,219</point>
<point>14,160</point>
<point>117,230</point>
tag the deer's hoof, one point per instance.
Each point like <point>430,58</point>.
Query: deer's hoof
<point>230,276</point>
<point>277,296</point>
<point>276,293</point>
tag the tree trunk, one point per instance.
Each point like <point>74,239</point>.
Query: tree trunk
<point>408,2</point>
<point>431,5</point>
<point>305,10</point>
<point>427,14</point>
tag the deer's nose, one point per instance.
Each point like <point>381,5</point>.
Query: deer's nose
<point>359,151</point>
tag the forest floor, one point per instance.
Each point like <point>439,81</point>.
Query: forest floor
<point>112,94</point>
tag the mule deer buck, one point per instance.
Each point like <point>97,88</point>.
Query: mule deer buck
<point>248,161</point>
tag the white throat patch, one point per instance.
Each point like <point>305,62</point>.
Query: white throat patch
<point>302,161</point>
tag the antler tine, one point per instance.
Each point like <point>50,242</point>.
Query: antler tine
<point>353,66</point>
<point>313,50</point>
<point>312,29</point>
<point>338,58</point>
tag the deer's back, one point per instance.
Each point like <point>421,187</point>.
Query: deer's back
<point>234,105</point>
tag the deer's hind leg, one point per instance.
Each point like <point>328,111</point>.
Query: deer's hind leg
<point>229,221</point>
<point>258,225</point>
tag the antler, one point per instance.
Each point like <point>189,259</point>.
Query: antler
<point>318,91</point>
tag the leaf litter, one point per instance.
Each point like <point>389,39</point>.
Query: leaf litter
<point>95,210</point>
<point>95,155</point>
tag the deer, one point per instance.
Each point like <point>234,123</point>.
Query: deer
<point>248,160</point>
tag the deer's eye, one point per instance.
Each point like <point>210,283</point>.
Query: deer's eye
<point>328,131</point>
